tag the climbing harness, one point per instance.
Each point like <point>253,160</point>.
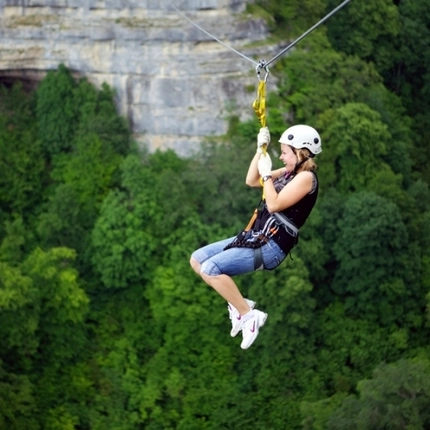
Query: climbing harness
<point>254,236</point>
<point>285,222</point>
<point>260,230</point>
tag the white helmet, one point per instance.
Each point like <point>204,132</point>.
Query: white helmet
<point>302,136</point>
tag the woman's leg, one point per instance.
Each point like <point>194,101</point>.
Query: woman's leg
<point>224,286</point>
<point>227,288</point>
<point>216,267</point>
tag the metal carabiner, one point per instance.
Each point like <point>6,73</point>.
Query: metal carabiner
<point>262,65</point>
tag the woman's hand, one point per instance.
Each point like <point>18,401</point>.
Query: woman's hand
<point>263,138</point>
<point>265,165</point>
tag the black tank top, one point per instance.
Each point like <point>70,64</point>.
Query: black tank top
<point>297,213</point>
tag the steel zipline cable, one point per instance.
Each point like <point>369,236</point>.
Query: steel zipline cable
<point>259,103</point>
<point>308,32</point>
<point>212,36</point>
<point>263,64</point>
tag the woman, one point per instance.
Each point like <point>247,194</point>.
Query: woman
<point>289,194</point>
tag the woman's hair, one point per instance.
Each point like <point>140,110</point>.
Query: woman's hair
<point>305,154</point>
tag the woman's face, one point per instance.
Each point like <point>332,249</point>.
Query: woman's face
<point>288,157</point>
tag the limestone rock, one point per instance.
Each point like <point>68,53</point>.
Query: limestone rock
<point>173,82</point>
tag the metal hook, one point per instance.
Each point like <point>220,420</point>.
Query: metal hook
<point>262,65</point>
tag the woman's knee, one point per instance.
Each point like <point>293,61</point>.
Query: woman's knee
<point>209,279</point>
<point>209,269</point>
<point>196,266</point>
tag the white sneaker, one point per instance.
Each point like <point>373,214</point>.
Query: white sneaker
<point>236,318</point>
<point>252,322</point>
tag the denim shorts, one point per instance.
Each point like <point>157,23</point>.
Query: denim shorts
<point>236,261</point>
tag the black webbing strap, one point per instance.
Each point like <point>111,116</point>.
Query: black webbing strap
<point>258,259</point>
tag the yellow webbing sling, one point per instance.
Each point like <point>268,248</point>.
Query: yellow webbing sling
<point>259,106</point>
<point>259,103</point>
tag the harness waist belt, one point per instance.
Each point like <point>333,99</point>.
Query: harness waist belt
<point>286,223</point>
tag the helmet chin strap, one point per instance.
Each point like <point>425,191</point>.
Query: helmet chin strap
<point>299,164</point>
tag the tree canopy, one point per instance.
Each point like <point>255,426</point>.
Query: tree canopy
<point>103,324</point>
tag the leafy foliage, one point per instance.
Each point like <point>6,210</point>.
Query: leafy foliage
<point>397,396</point>
<point>21,157</point>
<point>56,111</point>
<point>104,325</point>
<point>356,145</point>
<point>312,84</point>
<point>294,17</point>
<point>368,30</point>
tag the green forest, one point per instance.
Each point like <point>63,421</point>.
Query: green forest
<point>104,325</point>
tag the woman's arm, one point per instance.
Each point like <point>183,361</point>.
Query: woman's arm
<point>293,192</point>
<point>253,177</point>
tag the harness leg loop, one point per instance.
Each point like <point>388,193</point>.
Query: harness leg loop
<point>258,259</point>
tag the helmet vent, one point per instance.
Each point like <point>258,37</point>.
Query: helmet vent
<point>290,137</point>
<point>316,140</point>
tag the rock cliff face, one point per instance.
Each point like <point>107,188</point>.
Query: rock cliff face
<point>174,83</point>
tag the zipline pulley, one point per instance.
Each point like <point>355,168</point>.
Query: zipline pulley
<point>262,66</point>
